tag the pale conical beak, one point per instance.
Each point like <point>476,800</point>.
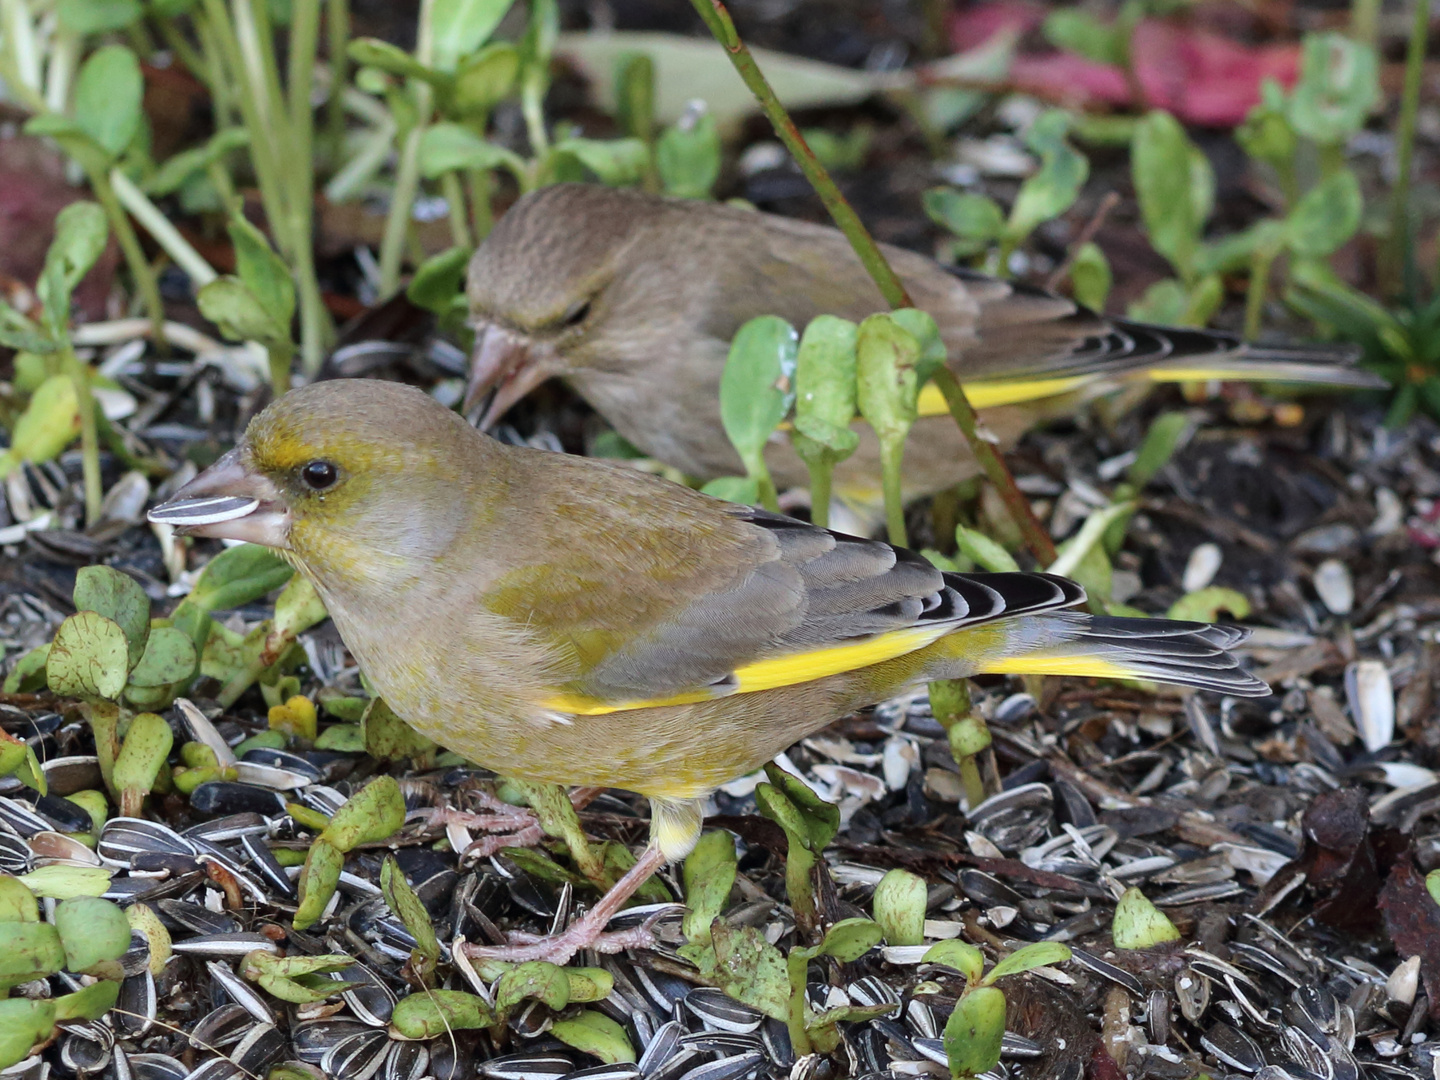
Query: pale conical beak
<point>228,501</point>
<point>511,364</point>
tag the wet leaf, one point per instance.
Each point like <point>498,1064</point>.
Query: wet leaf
<point>538,979</point>
<point>92,931</point>
<point>120,599</point>
<point>750,969</point>
<point>899,905</point>
<point>974,1032</point>
<point>1027,957</point>
<point>433,1013</point>
<point>407,906</point>
<point>1139,924</point>
<point>709,875</point>
<point>108,93</point>
<point>962,956</point>
<point>687,156</point>
<point>89,657</point>
<point>596,1034</point>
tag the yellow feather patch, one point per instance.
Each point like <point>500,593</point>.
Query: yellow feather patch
<point>990,395</point>
<point>778,671</point>
<point>1092,667</point>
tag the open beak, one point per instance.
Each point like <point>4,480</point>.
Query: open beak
<point>509,363</point>
<point>228,501</point>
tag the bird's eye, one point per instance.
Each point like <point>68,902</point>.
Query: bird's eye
<point>575,314</point>
<point>319,475</point>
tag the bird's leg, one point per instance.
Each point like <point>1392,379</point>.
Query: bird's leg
<point>509,826</point>
<point>588,932</point>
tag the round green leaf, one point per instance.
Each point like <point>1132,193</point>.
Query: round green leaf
<point>484,79</point>
<point>963,957</point>
<point>28,951</point>
<point>97,16</point>
<point>169,658</point>
<point>92,930</point>
<point>850,939</point>
<point>23,1023</point>
<point>595,1033</point>
<point>119,598</point>
<point>974,1032</point>
<point>899,905</point>
<point>108,94</point>
<point>433,1013</point>
<point>89,658</point>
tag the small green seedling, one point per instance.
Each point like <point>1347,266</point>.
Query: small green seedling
<point>372,814</point>
<point>757,390</point>
<point>1139,924</point>
<point>810,823</point>
<point>257,303</point>
<point>899,906</point>
<point>825,389</point>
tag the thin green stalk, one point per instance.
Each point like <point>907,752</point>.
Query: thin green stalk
<point>146,283</point>
<point>455,199</point>
<point>718,20</point>
<point>193,58</point>
<point>1365,20</point>
<point>988,458</point>
<point>222,102</point>
<point>1393,255</point>
<point>224,186</point>
<point>337,29</point>
<point>821,474</point>
<point>281,357</point>
<point>891,456</point>
<point>797,965</point>
<point>407,176</point>
<point>161,231</point>
<point>89,443</point>
<point>481,217</point>
<point>315,329</point>
<point>1261,263</point>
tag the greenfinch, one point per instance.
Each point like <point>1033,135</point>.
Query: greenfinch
<point>632,299</point>
<point>569,620</point>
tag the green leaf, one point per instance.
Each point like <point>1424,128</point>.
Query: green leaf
<point>50,422</point>
<point>742,490</point>
<point>407,907</point>
<point>1165,434</point>
<point>177,170</point>
<point>887,383</point>
<point>118,597</point>
<point>825,365</point>
<point>1175,186</point>
<point>89,1003</point>
<point>983,551</point>
<point>750,969</point>
<point>81,233</point>
<point>614,161</point>
<point>1036,954</point>
<point>1432,885</point>
<point>435,1013</point>
<point>1090,277</point>
<point>263,272</point>
<point>1326,216</point>
<point>108,94</point>
<point>483,80</point>
<point>239,313</point>
<point>1056,184</point>
<point>169,657</point>
<point>536,979</point>
<point>389,738</point>
<point>1080,32</point>
<point>757,387</point>
<point>1205,605</point>
<point>596,1034</point>
<point>1139,924</point>
<point>589,984</point>
<point>1162,304</point>
<point>238,576</point>
<point>810,818</point>
<point>28,951</point>
<point>374,813</point>
<point>447,147</point>
<point>974,1032</point>
<point>709,875</point>
<point>24,1022</point>
<point>462,26</point>
<point>1266,134</point>
<point>962,956</point>
<point>323,863</point>
<point>92,931</point>
<point>89,657</point>
<point>850,939</point>
<point>899,906</point>
<point>60,882</point>
<point>89,154</point>
<point>97,16</point>
<point>970,216</point>
<point>142,755</point>
<point>440,280</point>
<point>1338,87</point>
<point>372,52</point>
<point>687,156</point>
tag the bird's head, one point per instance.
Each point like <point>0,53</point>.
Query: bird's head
<point>351,479</point>
<point>546,288</point>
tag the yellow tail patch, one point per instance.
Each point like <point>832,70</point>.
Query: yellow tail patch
<point>1092,667</point>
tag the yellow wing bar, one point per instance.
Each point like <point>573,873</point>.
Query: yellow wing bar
<point>776,672</point>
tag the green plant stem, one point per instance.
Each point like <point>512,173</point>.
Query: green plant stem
<point>146,282</point>
<point>1261,263</point>
<point>1397,244</point>
<point>1365,20</point>
<point>717,18</point>
<point>315,329</point>
<point>281,357</point>
<point>1036,538</point>
<point>193,58</point>
<point>407,176</point>
<point>821,473</point>
<point>89,442</point>
<point>892,453</point>
<point>455,199</point>
<point>481,218</point>
<point>797,965</point>
<point>337,28</point>
<point>161,230</point>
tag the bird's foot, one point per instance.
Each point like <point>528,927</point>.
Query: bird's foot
<point>560,948</point>
<point>503,825</point>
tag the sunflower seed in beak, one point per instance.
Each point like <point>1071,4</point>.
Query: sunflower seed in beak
<point>207,511</point>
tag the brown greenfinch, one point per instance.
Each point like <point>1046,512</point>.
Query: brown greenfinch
<point>568,620</point>
<point>632,299</point>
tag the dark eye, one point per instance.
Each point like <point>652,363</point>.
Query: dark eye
<point>319,475</point>
<point>576,313</point>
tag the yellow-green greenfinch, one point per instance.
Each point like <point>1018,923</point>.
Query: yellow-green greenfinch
<point>633,299</point>
<point>568,620</point>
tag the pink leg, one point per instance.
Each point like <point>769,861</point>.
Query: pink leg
<point>511,826</point>
<point>589,931</point>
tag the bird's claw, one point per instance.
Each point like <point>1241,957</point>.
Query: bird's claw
<point>504,825</point>
<point>560,948</point>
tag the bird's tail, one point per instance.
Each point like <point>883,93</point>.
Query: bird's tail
<point>1153,650</point>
